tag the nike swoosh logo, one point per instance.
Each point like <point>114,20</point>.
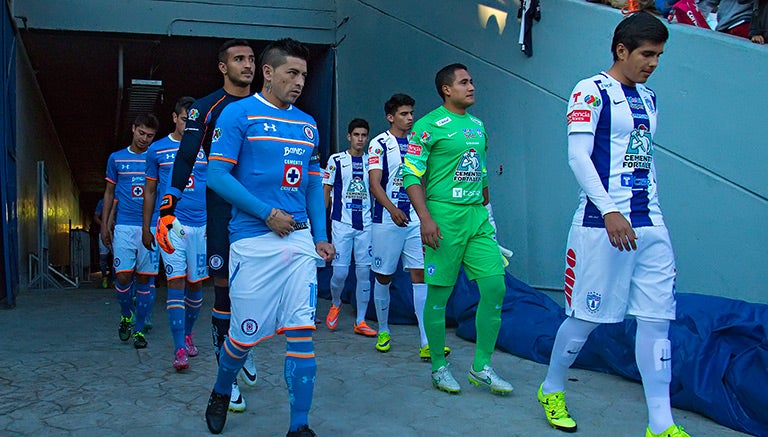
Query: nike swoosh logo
<point>616,102</point>
<point>666,359</point>
<point>345,166</point>
<point>451,134</point>
<point>572,352</point>
<point>249,375</point>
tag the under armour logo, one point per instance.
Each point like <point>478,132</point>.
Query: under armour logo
<point>170,156</point>
<point>271,127</point>
<point>125,166</point>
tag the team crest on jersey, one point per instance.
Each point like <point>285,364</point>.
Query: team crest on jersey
<point>594,299</point>
<point>309,132</point>
<point>137,191</point>
<point>215,262</point>
<point>190,183</point>
<point>356,189</point>
<point>649,104</point>
<point>468,169</point>
<point>443,121</point>
<point>116,262</point>
<point>216,134</point>
<point>249,326</point>
<point>200,155</point>
<point>168,270</point>
<point>593,101</point>
<point>193,114</point>
<point>291,177</point>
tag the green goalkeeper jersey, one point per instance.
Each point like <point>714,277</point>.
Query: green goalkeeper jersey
<point>448,151</point>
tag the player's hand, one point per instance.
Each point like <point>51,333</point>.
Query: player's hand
<point>325,250</point>
<point>620,232</point>
<point>758,39</point>
<point>147,239</point>
<point>106,237</point>
<point>165,225</point>
<point>280,222</point>
<point>430,233</point>
<point>399,217</point>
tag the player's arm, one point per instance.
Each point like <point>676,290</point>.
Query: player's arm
<point>619,230</point>
<point>109,197</point>
<point>150,195</point>
<point>329,176</point>
<point>316,210</point>
<point>327,195</point>
<point>414,168</point>
<point>378,193</point>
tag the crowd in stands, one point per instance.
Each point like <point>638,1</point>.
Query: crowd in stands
<point>741,18</point>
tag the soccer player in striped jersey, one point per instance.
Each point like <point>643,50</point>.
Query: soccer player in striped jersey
<point>185,267</point>
<point>619,258</point>
<point>264,161</point>
<point>395,228</point>
<point>346,192</point>
<point>446,179</point>
<point>236,63</point>
<point>125,183</point>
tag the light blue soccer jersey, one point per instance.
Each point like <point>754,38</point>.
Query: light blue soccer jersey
<point>191,207</point>
<point>274,152</point>
<point>127,170</point>
<point>623,121</point>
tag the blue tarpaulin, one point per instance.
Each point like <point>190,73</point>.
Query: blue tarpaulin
<point>719,345</point>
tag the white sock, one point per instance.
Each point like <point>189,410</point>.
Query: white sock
<point>571,336</point>
<point>381,302</point>
<point>419,299</point>
<point>338,279</point>
<point>362,291</point>
<point>654,360</point>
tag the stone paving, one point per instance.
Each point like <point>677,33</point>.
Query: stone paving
<point>63,371</point>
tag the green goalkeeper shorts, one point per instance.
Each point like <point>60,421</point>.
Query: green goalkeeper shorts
<point>467,239</point>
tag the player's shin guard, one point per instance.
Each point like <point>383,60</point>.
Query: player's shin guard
<point>488,318</point>
<point>434,323</point>
<point>338,278</point>
<point>124,295</point>
<point>300,371</point>
<point>362,291</point>
<point>419,300</point>
<point>381,302</point>
<point>653,354</point>
<point>231,360</point>
<point>192,303</point>
<point>143,302</point>
<point>174,305</point>
<point>571,336</point>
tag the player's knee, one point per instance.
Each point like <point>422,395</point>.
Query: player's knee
<point>384,279</point>
<point>220,282</point>
<point>177,283</point>
<point>417,276</point>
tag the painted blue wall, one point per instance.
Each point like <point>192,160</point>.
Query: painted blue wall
<point>708,147</point>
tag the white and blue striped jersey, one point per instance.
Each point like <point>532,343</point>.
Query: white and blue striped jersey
<point>351,201</point>
<point>386,153</point>
<point>126,170</point>
<point>623,121</point>
<point>191,207</point>
<point>274,152</point>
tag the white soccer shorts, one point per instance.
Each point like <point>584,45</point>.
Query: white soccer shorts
<point>130,253</point>
<point>273,285</point>
<point>189,259</point>
<point>347,240</point>
<point>603,284</point>
<point>390,242</point>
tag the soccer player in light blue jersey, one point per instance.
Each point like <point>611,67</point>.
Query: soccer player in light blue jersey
<point>126,184</point>
<point>264,161</point>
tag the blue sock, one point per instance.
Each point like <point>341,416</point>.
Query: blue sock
<point>193,302</point>
<point>300,371</point>
<point>231,361</point>
<point>175,308</point>
<point>124,297</point>
<point>151,295</point>
<point>143,299</point>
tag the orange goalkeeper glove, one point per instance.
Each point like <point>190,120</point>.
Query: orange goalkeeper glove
<point>168,223</point>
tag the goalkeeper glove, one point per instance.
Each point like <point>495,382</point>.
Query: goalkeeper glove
<point>168,223</point>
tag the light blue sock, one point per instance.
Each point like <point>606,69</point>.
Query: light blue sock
<point>124,295</point>
<point>193,302</point>
<point>300,371</point>
<point>231,360</point>
<point>143,300</point>
<point>175,308</point>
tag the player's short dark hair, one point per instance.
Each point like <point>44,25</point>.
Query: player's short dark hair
<point>275,52</point>
<point>446,76</point>
<point>396,101</point>
<point>222,56</point>
<point>356,123</point>
<point>148,120</point>
<point>183,104</point>
<point>636,29</point>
